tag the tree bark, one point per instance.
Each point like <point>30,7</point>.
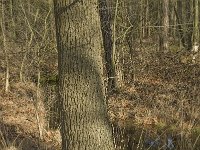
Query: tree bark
<point>195,49</point>
<point>84,121</point>
<point>165,25</point>
<point>179,17</point>
<point>196,23</point>
<point>184,19</point>
<point>5,45</point>
<point>108,44</point>
<point>189,25</point>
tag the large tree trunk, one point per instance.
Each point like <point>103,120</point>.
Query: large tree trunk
<point>84,121</point>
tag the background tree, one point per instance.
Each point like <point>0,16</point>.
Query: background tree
<point>165,25</point>
<point>105,18</point>
<point>195,49</point>
<point>4,28</point>
<point>196,23</point>
<point>84,121</point>
<point>146,88</point>
<point>184,18</point>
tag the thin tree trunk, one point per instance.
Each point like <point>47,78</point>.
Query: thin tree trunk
<point>179,17</point>
<point>165,25</point>
<point>108,44</point>
<point>5,48</point>
<point>173,29</point>
<point>189,25</point>
<point>40,122</point>
<point>160,36</point>
<point>84,121</point>
<point>115,58</point>
<point>196,23</point>
<point>196,31</point>
<point>29,43</point>
<point>184,19</point>
<point>147,19</point>
<point>141,20</point>
<point>13,18</point>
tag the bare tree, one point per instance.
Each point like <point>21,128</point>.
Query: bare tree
<point>195,48</point>
<point>184,19</point>
<point>165,25</point>
<point>108,44</point>
<point>5,45</point>
<point>84,121</point>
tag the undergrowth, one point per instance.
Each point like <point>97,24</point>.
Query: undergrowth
<point>156,107</point>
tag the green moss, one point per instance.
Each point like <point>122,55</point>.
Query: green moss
<point>172,128</point>
<point>160,126</point>
<point>50,79</point>
<point>130,124</point>
<point>174,48</point>
<point>196,130</point>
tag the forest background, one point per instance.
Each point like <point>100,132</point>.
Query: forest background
<point>151,73</point>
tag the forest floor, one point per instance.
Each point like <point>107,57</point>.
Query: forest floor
<point>159,107</point>
<point>156,110</point>
<point>19,122</point>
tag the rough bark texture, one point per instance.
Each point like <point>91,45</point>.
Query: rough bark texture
<point>108,44</point>
<point>84,121</point>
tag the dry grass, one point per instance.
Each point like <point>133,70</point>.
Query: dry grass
<point>19,124</point>
<point>159,101</point>
<point>147,108</point>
